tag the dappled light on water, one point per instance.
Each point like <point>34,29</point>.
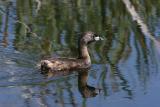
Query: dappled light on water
<point>136,17</point>
<point>125,65</point>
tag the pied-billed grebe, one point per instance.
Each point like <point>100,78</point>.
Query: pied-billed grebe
<point>68,64</point>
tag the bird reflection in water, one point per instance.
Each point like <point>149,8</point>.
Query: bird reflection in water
<point>86,90</point>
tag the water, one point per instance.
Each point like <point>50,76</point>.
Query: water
<point>125,66</point>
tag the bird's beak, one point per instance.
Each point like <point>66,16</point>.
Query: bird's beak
<point>98,38</point>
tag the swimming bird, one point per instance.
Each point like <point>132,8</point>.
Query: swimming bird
<point>68,64</point>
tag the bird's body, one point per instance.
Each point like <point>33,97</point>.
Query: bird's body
<point>68,64</point>
<point>64,64</point>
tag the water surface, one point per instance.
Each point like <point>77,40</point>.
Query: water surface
<point>126,65</point>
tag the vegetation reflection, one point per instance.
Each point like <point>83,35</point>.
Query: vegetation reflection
<point>52,29</point>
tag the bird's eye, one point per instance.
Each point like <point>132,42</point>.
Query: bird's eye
<point>95,35</point>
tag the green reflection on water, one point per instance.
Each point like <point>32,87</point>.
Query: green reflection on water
<point>58,24</point>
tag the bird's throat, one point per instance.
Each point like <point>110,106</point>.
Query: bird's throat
<point>84,54</point>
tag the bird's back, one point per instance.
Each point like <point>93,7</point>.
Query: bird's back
<point>63,64</point>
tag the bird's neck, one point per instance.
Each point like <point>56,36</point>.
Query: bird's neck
<point>83,53</point>
<point>82,79</point>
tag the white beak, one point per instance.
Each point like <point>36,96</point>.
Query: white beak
<point>98,38</point>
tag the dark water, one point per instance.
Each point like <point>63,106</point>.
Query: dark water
<point>126,66</point>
